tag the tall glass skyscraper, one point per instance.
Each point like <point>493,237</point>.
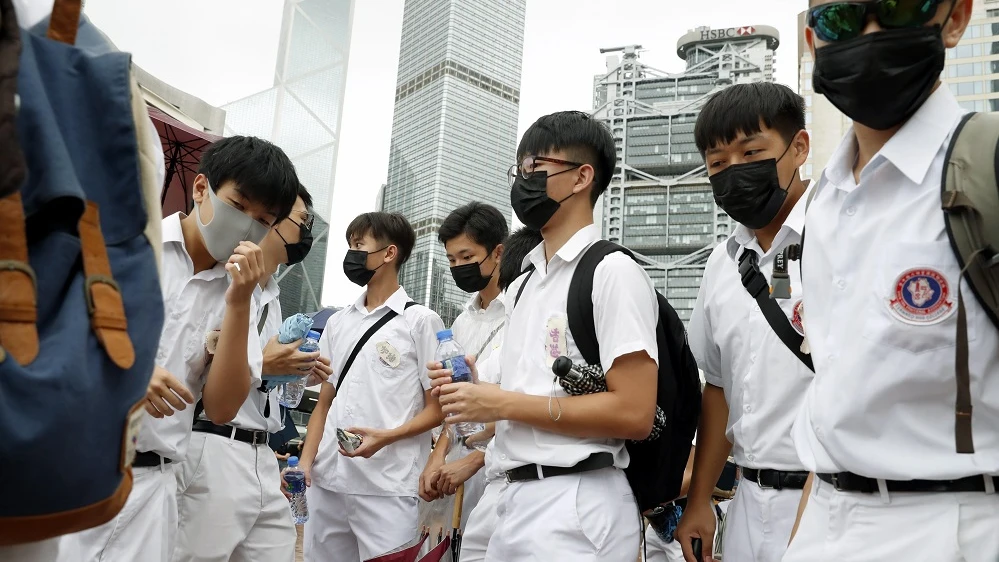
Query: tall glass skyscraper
<point>301,114</point>
<point>454,131</point>
<point>659,203</point>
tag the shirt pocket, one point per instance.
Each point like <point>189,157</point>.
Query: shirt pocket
<point>390,358</point>
<point>913,304</point>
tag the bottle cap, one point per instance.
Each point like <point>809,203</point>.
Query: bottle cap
<point>314,335</point>
<point>292,461</point>
<point>444,335</point>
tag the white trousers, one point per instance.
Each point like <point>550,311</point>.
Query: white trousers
<point>587,517</point>
<point>41,551</point>
<point>909,527</point>
<point>659,550</point>
<point>230,504</point>
<point>354,528</point>
<point>481,523</point>
<point>143,530</point>
<point>758,523</point>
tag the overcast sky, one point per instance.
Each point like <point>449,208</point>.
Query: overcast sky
<point>224,50</point>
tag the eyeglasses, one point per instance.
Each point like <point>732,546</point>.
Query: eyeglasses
<point>526,167</point>
<point>307,222</point>
<point>841,21</point>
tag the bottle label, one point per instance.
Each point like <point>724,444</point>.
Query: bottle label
<point>295,486</point>
<point>459,369</point>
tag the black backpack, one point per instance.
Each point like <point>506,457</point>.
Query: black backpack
<point>655,472</point>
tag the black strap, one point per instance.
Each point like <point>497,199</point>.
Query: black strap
<point>850,482</point>
<point>530,472</point>
<point>579,303</point>
<point>364,339</point>
<point>776,479</point>
<point>757,286</point>
<point>520,291</point>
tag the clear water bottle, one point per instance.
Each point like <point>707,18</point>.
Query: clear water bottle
<point>292,392</point>
<point>294,480</point>
<point>452,356</point>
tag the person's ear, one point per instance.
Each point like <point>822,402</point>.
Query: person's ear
<point>498,253</point>
<point>810,41</point>
<point>802,146</point>
<point>585,176</point>
<point>200,190</point>
<point>391,254</point>
<point>956,23</point>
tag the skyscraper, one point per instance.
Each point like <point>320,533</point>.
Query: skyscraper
<point>454,131</point>
<point>301,114</point>
<point>971,72</point>
<point>659,203</point>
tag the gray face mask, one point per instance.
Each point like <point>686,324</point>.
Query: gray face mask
<point>229,226</point>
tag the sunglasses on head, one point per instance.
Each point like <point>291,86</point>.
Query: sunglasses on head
<point>841,21</point>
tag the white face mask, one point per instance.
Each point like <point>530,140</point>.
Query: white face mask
<point>229,226</point>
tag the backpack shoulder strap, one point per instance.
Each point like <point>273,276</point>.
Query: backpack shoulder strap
<point>520,291</point>
<point>579,303</point>
<point>364,339</point>
<point>19,297</point>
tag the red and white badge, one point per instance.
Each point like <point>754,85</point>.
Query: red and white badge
<point>796,321</point>
<point>921,297</point>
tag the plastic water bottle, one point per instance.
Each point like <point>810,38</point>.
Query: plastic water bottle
<point>294,479</point>
<point>292,392</point>
<point>451,354</point>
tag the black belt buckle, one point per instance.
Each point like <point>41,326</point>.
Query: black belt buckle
<point>258,438</point>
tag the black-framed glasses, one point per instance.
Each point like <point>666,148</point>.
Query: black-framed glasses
<point>841,21</point>
<point>526,167</point>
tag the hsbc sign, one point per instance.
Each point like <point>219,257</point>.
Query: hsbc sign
<point>729,33</point>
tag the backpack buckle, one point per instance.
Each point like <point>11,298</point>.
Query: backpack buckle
<point>15,265</point>
<point>88,286</point>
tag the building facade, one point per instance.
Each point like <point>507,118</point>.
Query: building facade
<point>659,203</point>
<point>301,114</point>
<point>454,130</point>
<point>971,72</point>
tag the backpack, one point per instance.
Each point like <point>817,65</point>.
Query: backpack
<point>970,201</point>
<point>655,472</point>
<point>80,303</point>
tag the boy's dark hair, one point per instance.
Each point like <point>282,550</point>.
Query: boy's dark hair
<point>744,108</point>
<point>582,138</point>
<point>305,195</point>
<point>482,223</point>
<point>262,172</point>
<point>515,249</point>
<point>392,228</point>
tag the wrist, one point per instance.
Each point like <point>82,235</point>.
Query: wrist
<point>506,407</point>
<point>239,303</point>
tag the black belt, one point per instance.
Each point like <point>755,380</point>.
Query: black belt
<point>776,479</point>
<point>244,435</point>
<point>529,472</point>
<point>149,460</point>
<point>850,482</point>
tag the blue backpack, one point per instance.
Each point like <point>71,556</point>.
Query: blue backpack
<point>80,304</point>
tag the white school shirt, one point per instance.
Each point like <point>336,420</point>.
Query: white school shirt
<point>383,390</point>
<point>251,413</point>
<point>194,305</point>
<point>625,313</point>
<point>880,313</point>
<point>738,351</point>
<point>476,327</point>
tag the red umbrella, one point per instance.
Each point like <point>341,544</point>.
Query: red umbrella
<point>182,148</point>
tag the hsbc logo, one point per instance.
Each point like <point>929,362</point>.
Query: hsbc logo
<point>728,33</point>
<point>748,30</point>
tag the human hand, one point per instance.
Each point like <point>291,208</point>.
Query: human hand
<point>697,522</point>
<point>372,441</point>
<point>454,474</point>
<point>439,376</point>
<point>165,394</point>
<point>286,359</point>
<point>245,268</point>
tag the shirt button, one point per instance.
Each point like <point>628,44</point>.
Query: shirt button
<point>752,457</point>
<point>503,457</point>
<point>851,211</point>
<point>752,357</point>
<point>748,409</point>
<point>841,284</point>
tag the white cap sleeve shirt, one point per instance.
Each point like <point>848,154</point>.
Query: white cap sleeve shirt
<point>194,306</point>
<point>383,389</point>
<point>251,413</point>
<point>625,317</point>
<point>764,382</point>
<point>880,312</point>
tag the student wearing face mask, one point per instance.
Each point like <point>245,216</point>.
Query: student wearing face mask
<point>209,348</point>
<point>747,339</point>
<point>567,496</point>
<point>904,447</point>
<point>473,238</point>
<point>363,500</point>
<point>229,498</point>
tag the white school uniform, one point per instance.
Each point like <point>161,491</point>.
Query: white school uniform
<point>479,331</point>
<point>361,508</point>
<point>764,383</point>
<point>194,307</point>
<point>881,286</point>
<point>582,517</point>
<point>228,492</point>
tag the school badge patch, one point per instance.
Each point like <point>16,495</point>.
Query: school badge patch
<point>922,296</point>
<point>796,322</point>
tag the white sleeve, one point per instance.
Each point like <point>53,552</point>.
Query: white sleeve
<point>625,310</point>
<point>489,369</point>
<point>425,336</point>
<point>702,344</point>
<point>326,348</point>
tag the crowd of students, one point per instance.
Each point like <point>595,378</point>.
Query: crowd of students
<point>844,438</point>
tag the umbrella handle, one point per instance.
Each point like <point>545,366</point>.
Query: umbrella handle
<point>459,498</point>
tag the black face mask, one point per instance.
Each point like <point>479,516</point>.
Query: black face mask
<point>529,198</point>
<point>298,251</point>
<point>750,193</point>
<point>355,266</point>
<point>881,79</point>
<point>469,277</point>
